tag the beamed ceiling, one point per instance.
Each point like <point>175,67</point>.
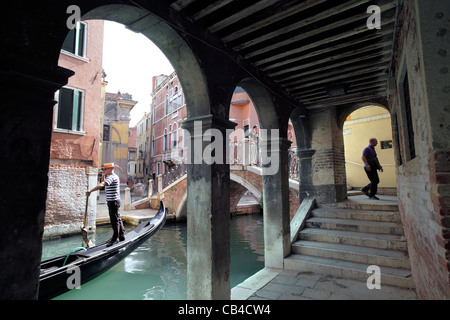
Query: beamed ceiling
<point>319,52</point>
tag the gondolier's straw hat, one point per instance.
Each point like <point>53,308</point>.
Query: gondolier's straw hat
<point>108,166</point>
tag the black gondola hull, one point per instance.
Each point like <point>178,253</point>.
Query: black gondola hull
<point>81,267</point>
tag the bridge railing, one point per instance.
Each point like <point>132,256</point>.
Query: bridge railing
<point>248,153</point>
<point>245,152</point>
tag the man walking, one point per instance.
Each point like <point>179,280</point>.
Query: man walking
<point>111,182</point>
<point>371,165</point>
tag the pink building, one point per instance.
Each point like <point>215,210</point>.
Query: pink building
<point>74,154</point>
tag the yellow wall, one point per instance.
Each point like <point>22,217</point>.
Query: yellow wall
<point>360,126</point>
<point>122,128</point>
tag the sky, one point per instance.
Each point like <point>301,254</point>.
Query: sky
<point>130,60</point>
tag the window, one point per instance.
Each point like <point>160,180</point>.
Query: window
<point>167,105</point>
<point>106,129</point>
<point>396,136</point>
<point>75,41</point>
<point>177,100</point>
<point>166,141</point>
<point>70,109</point>
<point>386,144</point>
<point>409,123</point>
<point>405,117</point>
<point>174,136</point>
<point>153,145</point>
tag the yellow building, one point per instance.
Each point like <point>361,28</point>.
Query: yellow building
<point>116,131</point>
<point>359,127</point>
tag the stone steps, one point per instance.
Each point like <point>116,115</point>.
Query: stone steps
<point>372,205</point>
<point>345,239</point>
<point>368,256</point>
<point>355,225</point>
<point>371,215</point>
<point>370,240</point>
<point>346,269</point>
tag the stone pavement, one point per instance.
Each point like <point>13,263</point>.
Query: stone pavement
<point>133,217</point>
<point>279,284</point>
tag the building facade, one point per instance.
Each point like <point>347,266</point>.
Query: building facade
<point>116,132</point>
<point>132,156</point>
<point>168,111</point>
<point>75,141</point>
<point>143,133</point>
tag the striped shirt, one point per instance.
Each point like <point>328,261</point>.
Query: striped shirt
<point>112,187</point>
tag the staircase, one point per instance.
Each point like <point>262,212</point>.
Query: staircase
<point>345,239</point>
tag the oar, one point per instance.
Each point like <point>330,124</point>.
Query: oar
<point>86,240</point>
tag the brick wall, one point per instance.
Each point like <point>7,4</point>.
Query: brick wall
<point>423,182</point>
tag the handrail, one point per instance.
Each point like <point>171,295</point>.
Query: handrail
<point>362,165</point>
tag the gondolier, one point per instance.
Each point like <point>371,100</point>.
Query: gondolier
<point>111,182</point>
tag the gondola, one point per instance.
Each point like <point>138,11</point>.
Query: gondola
<point>57,273</point>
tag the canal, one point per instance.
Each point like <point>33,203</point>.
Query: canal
<point>157,269</point>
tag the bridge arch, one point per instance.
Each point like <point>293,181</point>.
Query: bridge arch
<point>235,194</point>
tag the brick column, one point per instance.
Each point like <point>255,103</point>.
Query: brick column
<point>328,162</point>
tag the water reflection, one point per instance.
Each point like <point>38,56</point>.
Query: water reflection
<point>157,269</point>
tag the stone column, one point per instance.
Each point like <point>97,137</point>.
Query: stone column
<point>208,210</point>
<point>127,206</point>
<point>276,201</point>
<point>92,175</point>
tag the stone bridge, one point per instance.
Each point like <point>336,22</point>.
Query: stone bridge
<point>243,178</point>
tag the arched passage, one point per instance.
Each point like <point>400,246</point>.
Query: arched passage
<point>207,271</point>
<point>170,43</point>
<point>362,124</point>
<point>275,173</point>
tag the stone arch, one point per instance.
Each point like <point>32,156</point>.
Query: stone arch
<point>344,112</point>
<point>356,139</point>
<point>263,102</point>
<point>169,41</point>
<point>246,184</point>
<point>302,129</point>
<point>181,212</point>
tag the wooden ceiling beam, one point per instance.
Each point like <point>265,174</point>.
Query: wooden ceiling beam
<point>334,75</point>
<point>272,19</point>
<point>301,24</point>
<point>355,98</point>
<point>341,60</point>
<point>242,14</point>
<point>376,73</point>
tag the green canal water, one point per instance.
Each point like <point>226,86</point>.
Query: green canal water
<point>157,269</point>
